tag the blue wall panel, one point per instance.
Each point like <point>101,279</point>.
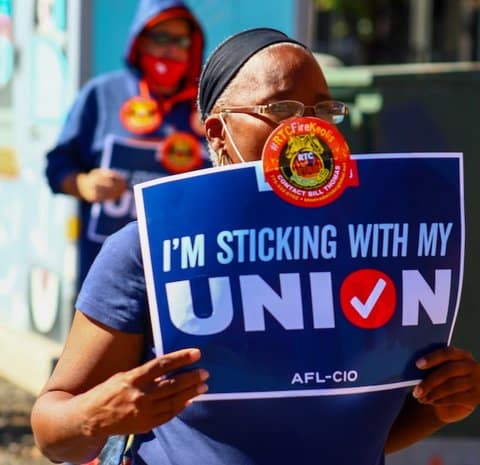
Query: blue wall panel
<point>110,26</point>
<point>219,18</point>
<point>222,18</point>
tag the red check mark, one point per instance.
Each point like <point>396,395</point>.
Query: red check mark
<point>368,298</point>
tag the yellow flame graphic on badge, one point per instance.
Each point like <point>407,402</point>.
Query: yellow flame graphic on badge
<point>141,112</point>
<point>304,153</point>
<point>302,143</point>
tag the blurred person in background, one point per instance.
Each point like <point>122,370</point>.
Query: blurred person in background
<point>152,99</point>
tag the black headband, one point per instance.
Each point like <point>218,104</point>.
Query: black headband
<point>227,59</point>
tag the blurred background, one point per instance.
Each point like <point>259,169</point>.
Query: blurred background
<point>408,70</point>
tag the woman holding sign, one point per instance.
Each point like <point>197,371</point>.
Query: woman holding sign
<point>108,380</point>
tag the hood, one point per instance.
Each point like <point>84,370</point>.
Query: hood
<point>157,10</point>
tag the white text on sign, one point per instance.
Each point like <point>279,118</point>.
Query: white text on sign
<point>286,243</point>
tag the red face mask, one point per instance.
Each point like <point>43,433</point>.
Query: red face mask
<point>163,72</point>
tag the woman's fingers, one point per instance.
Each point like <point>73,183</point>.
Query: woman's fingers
<point>448,388</point>
<point>103,184</point>
<point>173,405</point>
<point>448,376</point>
<point>163,365</point>
<point>454,379</point>
<point>170,386</point>
<point>446,354</point>
<point>148,395</point>
<point>464,398</point>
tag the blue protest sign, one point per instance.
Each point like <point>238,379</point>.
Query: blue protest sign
<point>138,161</point>
<point>292,301</point>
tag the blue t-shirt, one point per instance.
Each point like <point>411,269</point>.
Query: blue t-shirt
<point>324,430</point>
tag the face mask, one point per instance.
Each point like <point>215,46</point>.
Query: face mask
<point>163,72</point>
<point>227,132</point>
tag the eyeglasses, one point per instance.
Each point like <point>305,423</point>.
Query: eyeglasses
<point>163,39</point>
<point>331,111</point>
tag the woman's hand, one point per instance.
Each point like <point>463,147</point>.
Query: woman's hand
<point>453,386</point>
<point>137,400</point>
<point>100,184</point>
<point>98,389</point>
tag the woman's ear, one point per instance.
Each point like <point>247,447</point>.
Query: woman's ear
<point>215,133</point>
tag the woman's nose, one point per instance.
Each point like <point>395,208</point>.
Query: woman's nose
<point>308,110</point>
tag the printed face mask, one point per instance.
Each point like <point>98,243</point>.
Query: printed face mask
<point>163,72</point>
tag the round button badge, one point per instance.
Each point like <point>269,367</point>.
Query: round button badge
<point>307,162</point>
<point>181,152</point>
<point>141,115</point>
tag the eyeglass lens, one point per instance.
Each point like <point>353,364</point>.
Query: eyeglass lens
<point>333,112</point>
<point>160,38</point>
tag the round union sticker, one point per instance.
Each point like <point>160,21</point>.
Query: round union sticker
<point>181,152</point>
<point>306,161</point>
<point>140,115</point>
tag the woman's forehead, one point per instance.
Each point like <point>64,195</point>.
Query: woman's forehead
<point>173,25</point>
<point>281,71</point>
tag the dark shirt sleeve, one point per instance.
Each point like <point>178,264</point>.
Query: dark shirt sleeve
<point>114,291</point>
<point>73,151</point>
